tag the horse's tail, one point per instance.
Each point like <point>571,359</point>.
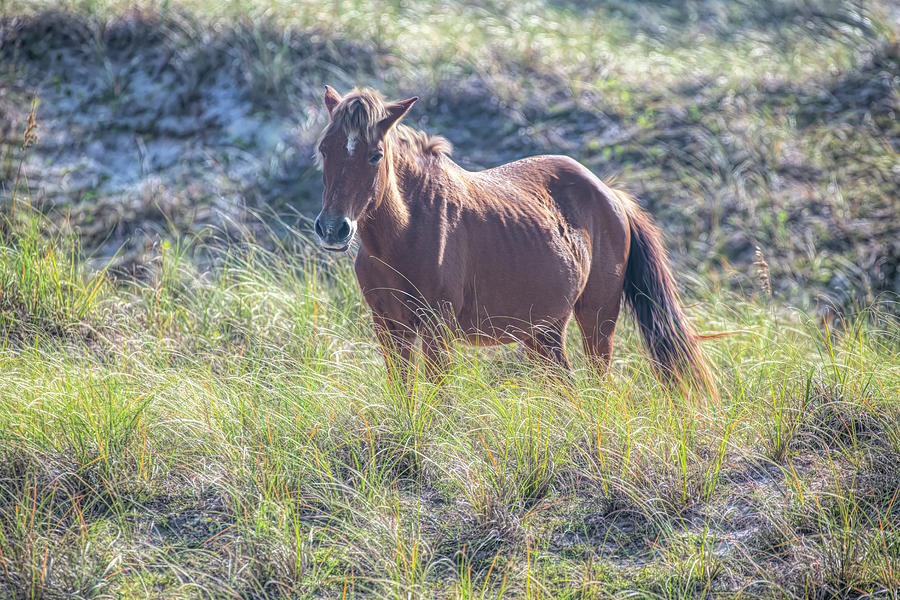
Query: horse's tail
<point>651,293</point>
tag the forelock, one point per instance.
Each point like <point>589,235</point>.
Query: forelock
<point>359,113</point>
<point>357,116</point>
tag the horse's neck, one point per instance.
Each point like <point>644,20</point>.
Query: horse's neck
<point>388,223</point>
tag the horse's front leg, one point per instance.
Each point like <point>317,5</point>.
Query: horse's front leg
<point>396,341</point>
<point>436,354</point>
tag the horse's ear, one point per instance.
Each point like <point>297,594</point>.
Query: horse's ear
<point>332,98</point>
<point>395,112</point>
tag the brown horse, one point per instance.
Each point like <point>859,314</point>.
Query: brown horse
<point>496,256</point>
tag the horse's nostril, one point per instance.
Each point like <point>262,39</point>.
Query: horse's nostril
<point>318,227</point>
<point>344,232</point>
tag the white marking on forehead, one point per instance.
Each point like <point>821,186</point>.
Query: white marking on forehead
<point>351,143</point>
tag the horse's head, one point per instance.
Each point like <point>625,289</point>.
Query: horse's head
<point>352,153</point>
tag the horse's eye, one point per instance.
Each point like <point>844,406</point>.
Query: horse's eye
<point>322,152</point>
<point>375,158</point>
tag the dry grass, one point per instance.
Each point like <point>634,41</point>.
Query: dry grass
<point>220,426</point>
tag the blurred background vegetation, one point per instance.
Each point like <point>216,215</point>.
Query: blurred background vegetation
<point>192,401</point>
<point>770,124</point>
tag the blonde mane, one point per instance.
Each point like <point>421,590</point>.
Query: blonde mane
<point>358,115</point>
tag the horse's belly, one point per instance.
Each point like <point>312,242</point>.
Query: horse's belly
<point>490,332</point>
<point>504,307</point>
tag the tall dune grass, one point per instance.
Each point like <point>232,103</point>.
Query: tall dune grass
<point>219,423</point>
<point>231,431</point>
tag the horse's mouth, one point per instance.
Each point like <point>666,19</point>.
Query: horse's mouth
<point>337,249</point>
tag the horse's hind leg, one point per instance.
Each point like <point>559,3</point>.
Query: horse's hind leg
<point>596,313</point>
<point>547,342</point>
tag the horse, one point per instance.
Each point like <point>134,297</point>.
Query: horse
<point>503,255</point>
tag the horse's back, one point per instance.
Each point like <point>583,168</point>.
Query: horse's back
<point>570,189</point>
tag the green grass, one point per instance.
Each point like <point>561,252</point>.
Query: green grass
<point>203,412</point>
<point>232,432</point>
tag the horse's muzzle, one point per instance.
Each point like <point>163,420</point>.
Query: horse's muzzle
<point>335,233</point>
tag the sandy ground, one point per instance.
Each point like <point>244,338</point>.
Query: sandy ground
<point>149,135</point>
